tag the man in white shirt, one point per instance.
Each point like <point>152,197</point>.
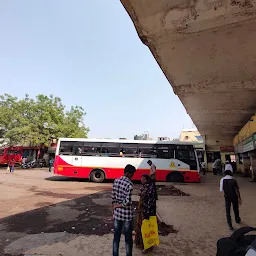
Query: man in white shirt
<point>152,170</point>
<point>228,166</point>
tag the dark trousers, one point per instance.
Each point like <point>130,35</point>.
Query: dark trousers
<point>234,202</point>
<point>153,180</point>
<point>214,171</point>
<point>118,227</point>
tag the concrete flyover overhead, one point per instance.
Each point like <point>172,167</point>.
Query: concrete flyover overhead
<point>207,50</point>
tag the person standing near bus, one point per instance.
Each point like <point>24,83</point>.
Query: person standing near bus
<point>122,210</point>
<point>232,196</point>
<point>152,175</point>
<point>51,162</point>
<point>11,165</point>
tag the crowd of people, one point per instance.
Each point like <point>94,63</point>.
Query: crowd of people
<point>217,167</point>
<point>29,164</point>
<point>123,211</point>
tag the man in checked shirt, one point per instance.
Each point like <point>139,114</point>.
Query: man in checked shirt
<point>122,210</point>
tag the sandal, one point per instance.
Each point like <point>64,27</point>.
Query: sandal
<point>148,250</point>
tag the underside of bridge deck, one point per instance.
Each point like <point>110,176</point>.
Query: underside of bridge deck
<point>207,51</point>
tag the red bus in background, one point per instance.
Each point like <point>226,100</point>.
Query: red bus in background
<point>16,153</point>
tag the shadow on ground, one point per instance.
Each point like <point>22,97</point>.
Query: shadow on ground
<point>63,178</point>
<point>87,215</point>
<point>73,179</point>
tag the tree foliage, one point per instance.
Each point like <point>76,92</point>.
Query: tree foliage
<point>37,121</point>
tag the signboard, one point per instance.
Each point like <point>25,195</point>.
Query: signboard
<point>248,147</point>
<point>248,144</point>
<point>227,149</point>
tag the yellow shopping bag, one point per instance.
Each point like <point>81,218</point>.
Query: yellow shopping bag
<point>149,231</point>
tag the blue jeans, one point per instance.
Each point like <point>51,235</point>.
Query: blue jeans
<point>118,226</point>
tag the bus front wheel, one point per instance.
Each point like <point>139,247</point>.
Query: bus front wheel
<point>175,177</point>
<point>97,176</point>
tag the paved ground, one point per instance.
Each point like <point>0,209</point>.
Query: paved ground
<point>46,215</point>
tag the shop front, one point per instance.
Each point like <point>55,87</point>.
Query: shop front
<point>224,153</point>
<point>245,152</point>
<point>245,148</point>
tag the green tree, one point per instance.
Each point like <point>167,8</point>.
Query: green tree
<point>37,121</point>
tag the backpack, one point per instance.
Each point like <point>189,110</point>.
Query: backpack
<point>237,244</point>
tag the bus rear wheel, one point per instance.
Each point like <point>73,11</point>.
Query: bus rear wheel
<point>97,176</point>
<point>175,177</point>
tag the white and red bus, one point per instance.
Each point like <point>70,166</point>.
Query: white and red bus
<point>100,159</point>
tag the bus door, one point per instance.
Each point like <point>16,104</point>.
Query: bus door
<point>77,160</point>
<point>77,153</point>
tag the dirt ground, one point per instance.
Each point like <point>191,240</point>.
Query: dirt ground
<point>43,214</point>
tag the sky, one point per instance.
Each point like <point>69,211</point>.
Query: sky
<point>88,53</point>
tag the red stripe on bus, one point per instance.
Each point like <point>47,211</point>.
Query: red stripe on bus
<point>61,167</point>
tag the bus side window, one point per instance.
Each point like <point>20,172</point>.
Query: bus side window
<point>165,152</point>
<point>1,152</point>
<point>110,149</point>
<point>129,150</point>
<point>91,149</point>
<point>77,148</point>
<point>66,147</point>
<point>147,150</point>
<point>182,154</point>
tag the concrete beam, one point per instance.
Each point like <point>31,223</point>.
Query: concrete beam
<point>220,124</point>
<point>216,132</point>
<point>210,86</point>
<point>223,111</point>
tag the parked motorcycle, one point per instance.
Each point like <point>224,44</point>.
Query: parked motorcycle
<point>33,164</point>
<point>24,166</point>
<point>28,165</point>
<point>42,163</point>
